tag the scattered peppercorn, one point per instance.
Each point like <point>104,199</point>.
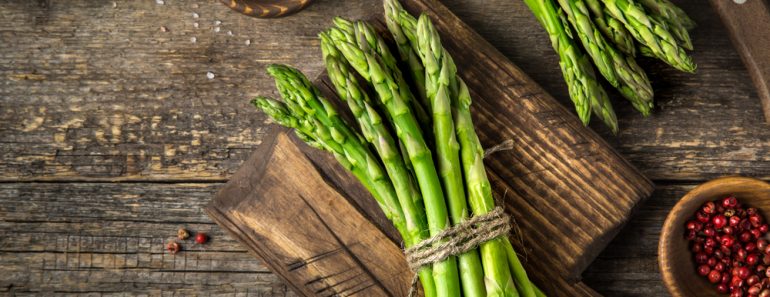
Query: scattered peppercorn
<point>182,234</point>
<point>201,238</point>
<point>173,247</point>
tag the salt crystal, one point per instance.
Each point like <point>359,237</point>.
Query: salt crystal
<point>210,75</point>
<point>195,15</point>
<point>248,41</point>
<point>217,23</point>
<point>195,25</point>
<point>160,2</point>
<point>230,33</point>
<point>216,29</point>
<point>193,39</point>
<point>163,29</point>
<point>114,4</point>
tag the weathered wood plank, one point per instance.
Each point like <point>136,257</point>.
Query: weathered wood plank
<point>119,231</point>
<point>92,92</point>
<point>108,239</point>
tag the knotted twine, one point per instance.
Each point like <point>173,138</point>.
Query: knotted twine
<point>456,240</point>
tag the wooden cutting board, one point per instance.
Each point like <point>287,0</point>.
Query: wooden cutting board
<point>294,217</point>
<point>569,192</point>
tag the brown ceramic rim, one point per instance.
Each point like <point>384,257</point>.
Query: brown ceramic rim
<point>669,226</point>
<point>266,8</point>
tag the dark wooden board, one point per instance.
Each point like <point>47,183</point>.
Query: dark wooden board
<point>749,26</point>
<point>296,218</point>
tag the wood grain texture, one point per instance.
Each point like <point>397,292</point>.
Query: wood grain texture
<point>112,97</point>
<point>101,239</point>
<point>121,229</point>
<point>749,26</point>
<point>266,8</point>
<point>89,92</point>
<point>295,217</point>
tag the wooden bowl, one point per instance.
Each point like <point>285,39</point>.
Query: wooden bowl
<point>677,265</point>
<point>266,8</point>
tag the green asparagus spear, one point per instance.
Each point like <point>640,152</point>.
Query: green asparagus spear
<point>376,133</point>
<point>408,55</point>
<point>620,71</point>
<point>364,36</point>
<point>675,17</point>
<point>677,29</point>
<point>651,33</point>
<point>480,191</point>
<point>584,89</point>
<point>438,73</point>
<point>369,64</point>
<point>612,29</point>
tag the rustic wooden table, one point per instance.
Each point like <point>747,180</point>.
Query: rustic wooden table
<point>112,136</point>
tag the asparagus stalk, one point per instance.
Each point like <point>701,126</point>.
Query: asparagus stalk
<point>675,17</point>
<point>519,274</point>
<point>677,29</point>
<point>408,55</point>
<point>480,191</point>
<point>612,29</point>
<point>620,71</point>
<point>651,33</point>
<point>584,89</point>
<point>441,76</point>
<point>376,133</point>
<point>438,73</point>
<point>370,65</point>
<point>364,36</point>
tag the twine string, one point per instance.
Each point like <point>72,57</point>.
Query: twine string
<point>456,240</point>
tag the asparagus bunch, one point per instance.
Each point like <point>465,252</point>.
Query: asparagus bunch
<point>584,88</point>
<point>390,155</point>
<point>620,71</point>
<point>610,32</point>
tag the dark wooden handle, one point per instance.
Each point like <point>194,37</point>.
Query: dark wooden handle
<point>749,27</point>
<point>266,8</point>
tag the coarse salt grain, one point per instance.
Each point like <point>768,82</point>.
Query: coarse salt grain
<point>160,2</point>
<point>210,75</point>
<point>114,4</point>
<point>216,29</point>
<point>230,33</point>
<point>193,39</point>
<point>195,25</point>
<point>163,29</point>
<point>217,23</point>
<point>248,41</point>
<point>195,15</point>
